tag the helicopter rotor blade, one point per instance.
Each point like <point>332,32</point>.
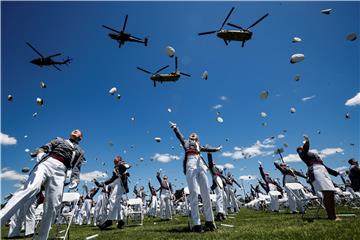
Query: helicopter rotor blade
<point>144,70</point>
<point>232,9</point>
<point>161,69</point>
<point>111,29</point>
<point>58,54</point>
<point>260,19</point>
<point>226,43</point>
<point>154,83</point>
<point>204,33</point>
<point>185,74</point>
<point>176,64</point>
<point>126,18</point>
<point>243,43</point>
<point>235,26</point>
<point>56,67</point>
<point>34,49</point>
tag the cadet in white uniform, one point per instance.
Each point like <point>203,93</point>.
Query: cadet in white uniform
<point>51,172</point>
<point>119,181</point>
<point>195,171</point>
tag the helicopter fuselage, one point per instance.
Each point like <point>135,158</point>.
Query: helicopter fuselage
<point>125,37</point>
<point>234,35</point>
<point>169,77</point>
<point>44,62</point>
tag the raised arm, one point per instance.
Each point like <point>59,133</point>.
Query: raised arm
<point>178,134</point>
<point>300,174</point>
<point>282,170</point>
<point>209,149</point>
<point>262,173</point>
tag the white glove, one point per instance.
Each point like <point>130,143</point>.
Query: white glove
<point>172,125</point>
<point>306,138</point>
<point>259,163</point>
<point>39,156</point>
<point>73,185</point>
<point>219,148</point>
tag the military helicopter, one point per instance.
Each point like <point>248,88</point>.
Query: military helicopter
<point>122,37</point>
<point>241,35</point>
<point>168,77</point>
<point>47,61</point>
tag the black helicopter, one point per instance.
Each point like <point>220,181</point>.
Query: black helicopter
<point>122,37</point>
<point>168,77</point>
<point>241,35</point>
<point>47,61</point>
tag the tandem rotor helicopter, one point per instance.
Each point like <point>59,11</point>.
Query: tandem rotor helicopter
<point>167,77</point>
<point>122,37</point>
<point>47,61</point>
<point>241,35</point>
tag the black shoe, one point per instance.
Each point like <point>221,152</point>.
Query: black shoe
<point>29,235</point>
<point>120,224</point>
<point>105,225</point>
<point>14,237</point>
<point>210,225</point>
<point>223,217</point>
<point>197,228</point>
<point>219,217</point>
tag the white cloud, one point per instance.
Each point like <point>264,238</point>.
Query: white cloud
<point>257,149</point>
<point>323,154</point>
<point>354,100</point>
<point>292,158</point>
<point>304,99</point>
<point>218,106</point>
<point>229,166</point>
<point>91,175</point>
<point>165,158</point>
<point>247,177</point>
<point>7,140</point>
<point>223,98</point>
<point>11,175</point>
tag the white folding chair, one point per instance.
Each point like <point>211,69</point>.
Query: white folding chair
<point>304,197</point>
<point>135,214</point>
<point>69,199</point>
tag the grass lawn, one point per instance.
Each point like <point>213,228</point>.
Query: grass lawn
<point>248,224</point>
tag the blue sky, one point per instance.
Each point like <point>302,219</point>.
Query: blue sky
<point>77,97</point>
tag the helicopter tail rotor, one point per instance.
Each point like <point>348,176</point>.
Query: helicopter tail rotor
<point>146,41</point>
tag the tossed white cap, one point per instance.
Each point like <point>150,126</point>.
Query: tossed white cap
<point>296,40</point>
<point>205,75</point>
<point>297,57</point>
<point>25,169</point>
<point>219,119</point>
<point>292,110</point>
<point>157,139</point>
<point>42,85</point>
<point>264,95</point>
<point>170,51</point>
<point>39,101</point>
<point>326,11</point>
<point>113,91</point>
<point>263,114</point>
<point>351,37</point>
<point>10,97</point>
<point>297,77</point>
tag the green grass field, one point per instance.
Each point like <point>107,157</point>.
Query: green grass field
<point>248,224</point>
